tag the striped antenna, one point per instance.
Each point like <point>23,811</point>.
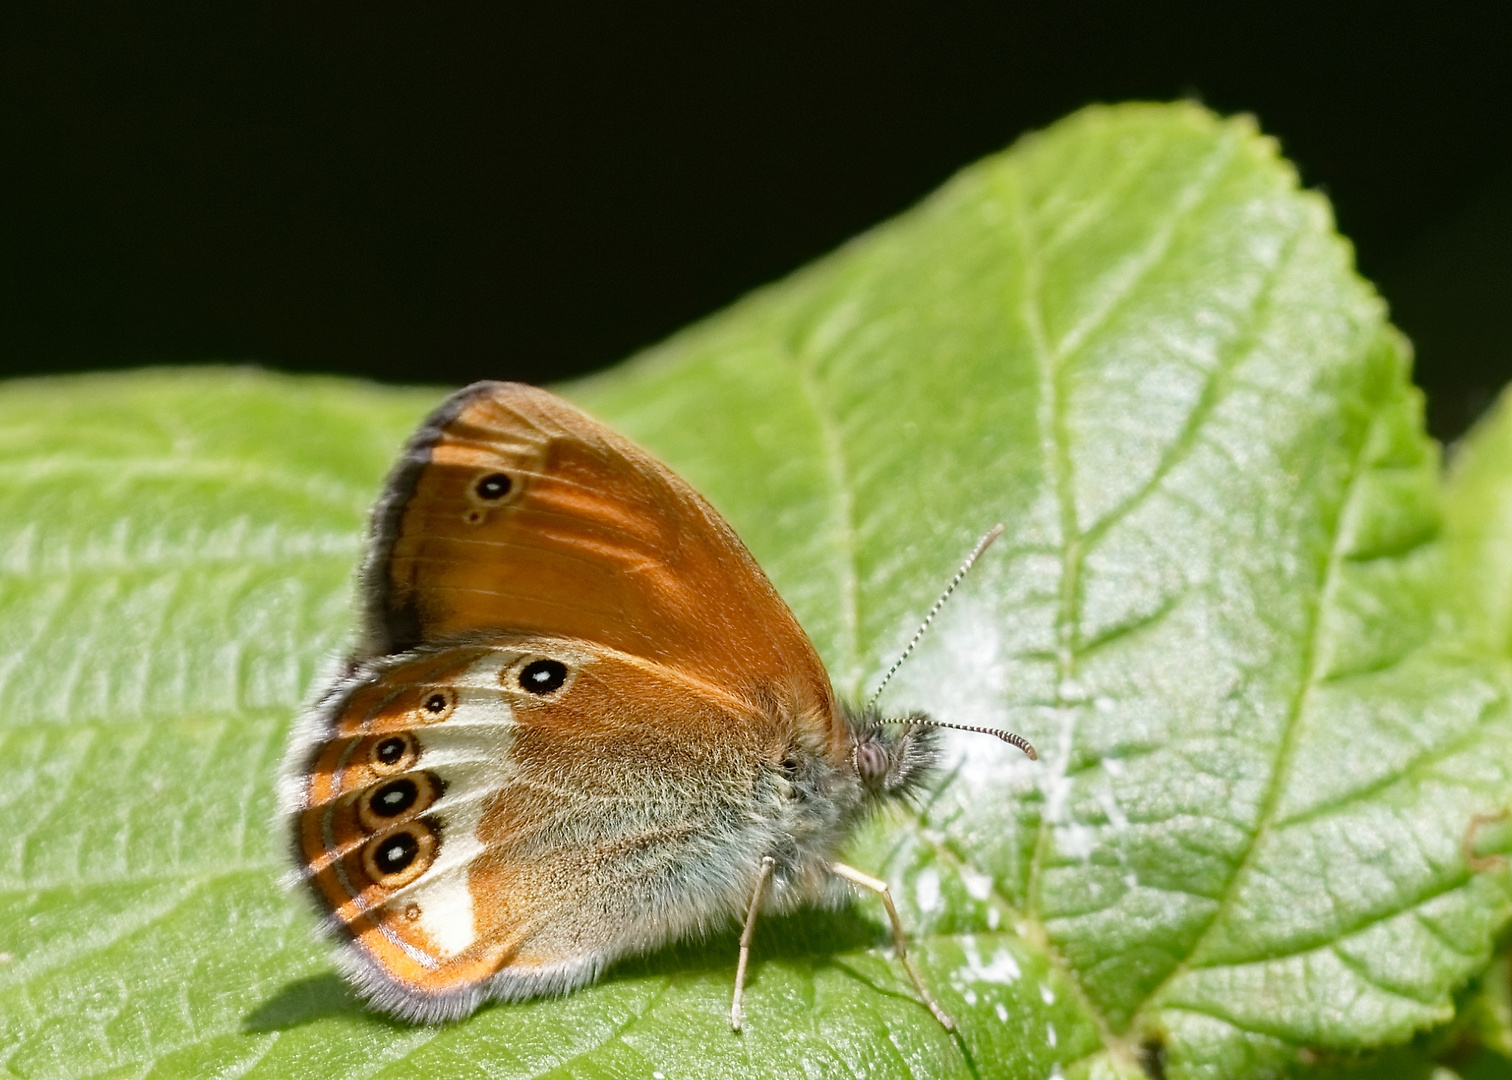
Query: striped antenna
<point>1007,736</point>
<point>976,553</point>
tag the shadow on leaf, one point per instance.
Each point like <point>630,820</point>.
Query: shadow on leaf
<point>807,935</point>
<point>305,1001</point>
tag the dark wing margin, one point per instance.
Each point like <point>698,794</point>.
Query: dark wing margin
<point>386,630</point>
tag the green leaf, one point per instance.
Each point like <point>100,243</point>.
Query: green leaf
<point>1217,610</point>
<point>1478,532</point>
<point>1485,1021</point>
<point>1478,527</point>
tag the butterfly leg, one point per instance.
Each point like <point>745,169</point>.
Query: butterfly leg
<point>737,1016</point>
<point>866,881</point>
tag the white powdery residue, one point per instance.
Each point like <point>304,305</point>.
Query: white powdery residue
<point>1047,995</point>
<point>1002,969</point>
<point>973,953</point>
<point>1054,782</point>
<point>993,918</point>
<point>927,890</point>
<point>1131,879</point>
<point>658,1075</point>
<point>1002,1011</point>
<point>988,766</point>
<point>1102,703</point>
<point>1116,816</point>
<point>978,885</point>
<point>1050,1035</point>
<point>970,996</point>
<point>1076,841</point>
<point>1071,838</point>
<point>965,680</point>
<point>1055,1072</point>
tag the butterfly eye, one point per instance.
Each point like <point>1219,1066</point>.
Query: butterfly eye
<point>870,759</point>
<point>493,487</point>
<point>543,676</point>
<point>394,753</point>
<point>399,857</point>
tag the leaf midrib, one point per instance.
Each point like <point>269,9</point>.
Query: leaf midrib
<point>1055,441</point>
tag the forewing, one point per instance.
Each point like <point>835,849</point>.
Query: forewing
<point>512,510</point>
<point>471,837</point>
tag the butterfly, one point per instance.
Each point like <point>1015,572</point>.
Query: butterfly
<point>579,723</point>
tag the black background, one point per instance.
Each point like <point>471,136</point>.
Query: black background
<point>439,192</point>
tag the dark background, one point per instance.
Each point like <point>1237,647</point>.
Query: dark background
<point>435,192</point>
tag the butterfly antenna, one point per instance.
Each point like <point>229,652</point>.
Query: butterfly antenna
<point>976,553</point>
<point>1007,736</point>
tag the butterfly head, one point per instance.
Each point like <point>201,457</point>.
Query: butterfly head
<point>892,758</point>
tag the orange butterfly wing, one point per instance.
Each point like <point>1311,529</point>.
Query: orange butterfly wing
<point>513,510</point>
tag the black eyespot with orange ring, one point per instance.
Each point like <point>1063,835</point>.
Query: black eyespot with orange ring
<point>396,799</point>
<point>436,704</point>
<point>391,754</point>
<point>401,855</point>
